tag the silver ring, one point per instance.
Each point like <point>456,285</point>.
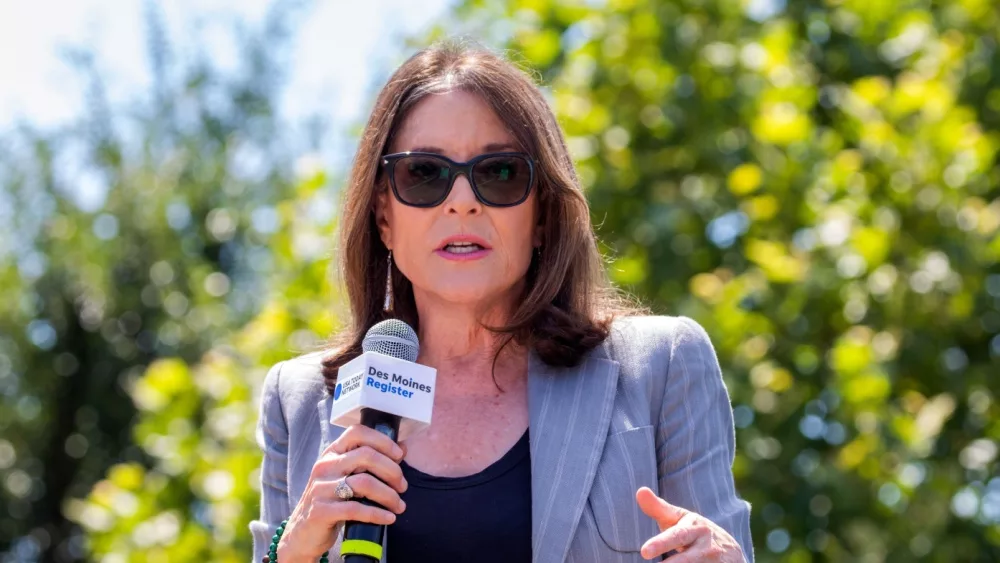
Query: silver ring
<point>344,491</point>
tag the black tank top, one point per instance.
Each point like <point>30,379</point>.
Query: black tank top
<point>484,517</point>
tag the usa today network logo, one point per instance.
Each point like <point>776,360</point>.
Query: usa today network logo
<point>351,384</point>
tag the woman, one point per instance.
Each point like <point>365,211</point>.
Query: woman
<point>567,426</point>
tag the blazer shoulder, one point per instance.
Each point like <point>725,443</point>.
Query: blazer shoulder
<point>656,334</point>
<point>296,383</point>
<point>304,370</point>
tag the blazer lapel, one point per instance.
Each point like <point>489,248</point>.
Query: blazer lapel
<point>325,407</point>
<point>569,413</point>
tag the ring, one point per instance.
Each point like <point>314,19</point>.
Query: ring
<point>344,491</point>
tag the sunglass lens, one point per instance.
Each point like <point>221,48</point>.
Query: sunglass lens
<point>502,180</point>
<point>421,180</point>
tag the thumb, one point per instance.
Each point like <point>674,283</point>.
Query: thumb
<point>665,514</point>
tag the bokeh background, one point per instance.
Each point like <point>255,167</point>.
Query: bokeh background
<point>816,182</point>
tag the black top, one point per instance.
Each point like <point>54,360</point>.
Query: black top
<point>484,517</point>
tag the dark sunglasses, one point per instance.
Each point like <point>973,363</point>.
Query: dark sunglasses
<point>424,179</point>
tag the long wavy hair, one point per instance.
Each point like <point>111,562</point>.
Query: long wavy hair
<point>568,303</point>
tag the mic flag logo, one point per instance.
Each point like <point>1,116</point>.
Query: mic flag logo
<point>386,384</point>
<point>405,386</point>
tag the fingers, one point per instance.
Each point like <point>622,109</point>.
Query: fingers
<point>360,449</point>
<point>698,552</point>
<point>357,435</point>
<point>344,510</point>
<point>685,533</point>
<point>665,514</point>
<point>365,458</point>
<point>366,486</point>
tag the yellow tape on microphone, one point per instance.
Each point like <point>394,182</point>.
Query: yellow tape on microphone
<point>361,547</point>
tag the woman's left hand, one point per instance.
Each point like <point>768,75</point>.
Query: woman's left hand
<point>693,536</point>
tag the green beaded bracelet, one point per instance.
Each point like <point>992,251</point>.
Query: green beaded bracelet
<point>272,553</point>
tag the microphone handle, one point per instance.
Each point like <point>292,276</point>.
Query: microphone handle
<point>363,536</point>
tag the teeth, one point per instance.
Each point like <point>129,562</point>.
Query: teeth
<point>462,247</point>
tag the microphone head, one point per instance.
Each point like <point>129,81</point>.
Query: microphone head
<point>392,337</point>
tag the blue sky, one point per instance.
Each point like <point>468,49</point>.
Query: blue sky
<point>340,47</point>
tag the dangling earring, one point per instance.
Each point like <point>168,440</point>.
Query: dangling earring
<point>387,306</point>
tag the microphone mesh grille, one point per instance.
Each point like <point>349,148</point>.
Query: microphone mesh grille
<point>392,337</point>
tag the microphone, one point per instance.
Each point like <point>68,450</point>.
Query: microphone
<point>382,389</point>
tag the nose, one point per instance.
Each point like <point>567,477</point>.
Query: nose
<point>462,200</point>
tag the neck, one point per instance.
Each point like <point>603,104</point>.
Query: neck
<point>454,341</point>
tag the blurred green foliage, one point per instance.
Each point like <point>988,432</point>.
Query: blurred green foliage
<point>816,182</point>
<point>134,243</point>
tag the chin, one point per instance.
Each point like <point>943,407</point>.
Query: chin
<point>470,294</point>
<point>466,295</point>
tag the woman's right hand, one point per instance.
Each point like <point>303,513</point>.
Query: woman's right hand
<point>369,461</point>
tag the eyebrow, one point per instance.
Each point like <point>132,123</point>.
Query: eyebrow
<point>491,147</point>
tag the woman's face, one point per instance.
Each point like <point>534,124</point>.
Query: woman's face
<point>460,126</point>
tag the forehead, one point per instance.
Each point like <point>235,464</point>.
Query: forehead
<point>458,124</point>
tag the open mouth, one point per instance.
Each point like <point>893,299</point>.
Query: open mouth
<point>462,247</point>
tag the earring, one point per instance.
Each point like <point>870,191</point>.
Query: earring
<point>387,306</point>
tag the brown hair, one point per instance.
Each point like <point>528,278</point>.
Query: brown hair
<point>568,304</point>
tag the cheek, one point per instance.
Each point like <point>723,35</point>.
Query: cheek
<point>517,233</point>
<point>404,224</point>
<point>411,230</point>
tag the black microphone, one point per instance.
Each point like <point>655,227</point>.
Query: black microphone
<point>396,339</point>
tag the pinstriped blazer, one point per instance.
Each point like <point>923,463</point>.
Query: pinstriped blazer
<point>646,408</point>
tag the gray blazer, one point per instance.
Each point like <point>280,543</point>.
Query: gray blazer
<point>647,407</point>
